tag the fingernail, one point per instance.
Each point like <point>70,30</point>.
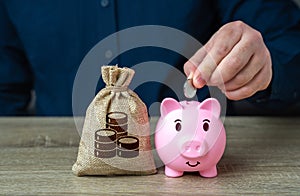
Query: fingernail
<point>190,76</point>
<point>199,82</point>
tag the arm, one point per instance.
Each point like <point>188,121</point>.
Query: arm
<point>15,74</point>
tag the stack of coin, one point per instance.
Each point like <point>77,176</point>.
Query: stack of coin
<point>128,147</point>
<point>105,143</point>
<point>118,122</point>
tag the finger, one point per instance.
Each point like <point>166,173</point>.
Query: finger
<point>234,62</point>
<point>259,82</point>
<point>191,65</point>
<point>203,71</point>
<point>218,47</point>
<point>256,63</point>
<point>189,70</point>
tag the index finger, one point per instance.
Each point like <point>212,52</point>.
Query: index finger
<point>191,65</point>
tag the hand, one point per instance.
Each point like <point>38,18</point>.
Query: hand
<point>235,59</point>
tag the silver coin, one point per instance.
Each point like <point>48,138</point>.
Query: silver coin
<point>189,89</point>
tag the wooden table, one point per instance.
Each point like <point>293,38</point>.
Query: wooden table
<point>262,157</point>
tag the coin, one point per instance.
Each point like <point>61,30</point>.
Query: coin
<point>189,89</point>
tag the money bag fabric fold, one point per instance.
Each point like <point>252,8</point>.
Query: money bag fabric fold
<point>116,132</point>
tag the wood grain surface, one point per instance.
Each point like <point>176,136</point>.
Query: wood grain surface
<point>262,157</point>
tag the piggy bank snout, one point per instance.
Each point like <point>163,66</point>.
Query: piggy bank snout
<point>193,149</point>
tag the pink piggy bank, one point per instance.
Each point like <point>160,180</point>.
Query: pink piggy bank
<point>190,137</point>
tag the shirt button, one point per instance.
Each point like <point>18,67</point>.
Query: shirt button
<point>108,54</point>
<point>104,3</point>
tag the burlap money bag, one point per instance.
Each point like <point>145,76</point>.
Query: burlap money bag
<point>116,133</point>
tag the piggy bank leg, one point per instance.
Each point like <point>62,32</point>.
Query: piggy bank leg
<point>172,173</point>
<point>209,173</point>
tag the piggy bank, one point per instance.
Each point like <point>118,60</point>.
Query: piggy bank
<point>190,137</point>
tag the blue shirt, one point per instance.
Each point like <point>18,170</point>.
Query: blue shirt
<point>42,43</point>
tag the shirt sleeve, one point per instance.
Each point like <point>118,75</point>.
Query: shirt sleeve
<point>279,23</point>
<point>15,74</point>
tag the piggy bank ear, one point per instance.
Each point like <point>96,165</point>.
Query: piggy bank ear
<point>212,105</point>
<point>168,105</point>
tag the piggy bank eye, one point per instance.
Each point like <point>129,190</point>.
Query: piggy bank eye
<point>178,125</point>
<point>206,125</point>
